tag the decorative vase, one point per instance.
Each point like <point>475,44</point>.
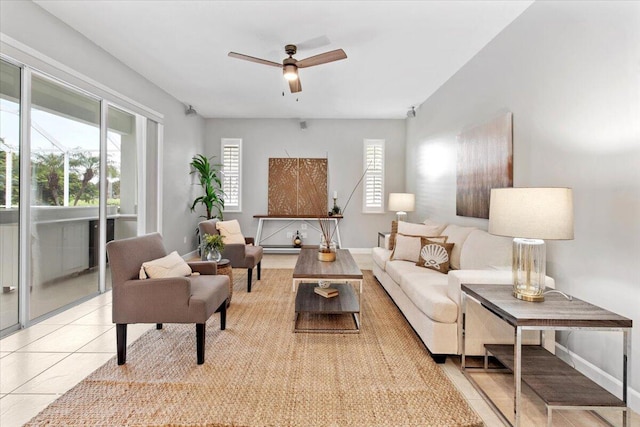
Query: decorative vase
<point>297,240</point>
<point>213,255</point>
<point>327,251</point>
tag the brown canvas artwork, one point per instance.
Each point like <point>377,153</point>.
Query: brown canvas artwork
<point>297,187</point>
<point>485,161</point>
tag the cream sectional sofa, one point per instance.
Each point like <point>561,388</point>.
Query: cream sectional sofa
<point>430,300</point>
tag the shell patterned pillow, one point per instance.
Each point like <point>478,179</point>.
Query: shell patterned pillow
<point>435,255</point>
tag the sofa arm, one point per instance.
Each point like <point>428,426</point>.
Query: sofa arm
<point>204,267</point>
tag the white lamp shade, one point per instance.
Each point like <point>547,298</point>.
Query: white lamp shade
<point>402,202</point>
<point>533,213</point>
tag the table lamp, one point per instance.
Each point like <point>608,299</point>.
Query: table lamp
<point>402,203</point>
<point>531,215</point>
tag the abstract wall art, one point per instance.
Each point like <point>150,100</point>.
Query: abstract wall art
<point>485,161</point>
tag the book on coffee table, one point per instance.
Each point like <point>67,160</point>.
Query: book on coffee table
<point>326,292</point>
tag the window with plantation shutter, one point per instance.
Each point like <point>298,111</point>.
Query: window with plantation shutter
<point>232,173</point>
<point>373,182</point>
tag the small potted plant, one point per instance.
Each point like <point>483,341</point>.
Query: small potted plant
<point>212,246</point>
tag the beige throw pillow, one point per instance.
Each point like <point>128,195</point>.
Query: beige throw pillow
<point>435,255</point>
<point>411,229</point>
<point>408,247</point>
<point>392,236</point>
<point>171,265</point>
<point>230,231</point>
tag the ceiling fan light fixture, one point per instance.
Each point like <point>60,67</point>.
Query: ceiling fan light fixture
<point>290,72</point>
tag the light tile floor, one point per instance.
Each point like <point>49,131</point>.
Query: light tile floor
<point>40,363</point>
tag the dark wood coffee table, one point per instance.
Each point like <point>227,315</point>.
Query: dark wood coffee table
<point>341,273</point>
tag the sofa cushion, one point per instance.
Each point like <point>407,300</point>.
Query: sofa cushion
<point>482,250</point>
<point>411,229</point>
<point>433,301</point>
<point>435,255</point>
<point>433,223</point>
<point>396,269</point>
<point>380,257</point>
<point>430,229</point>
<point>427,289</point>
<point>457,235</point>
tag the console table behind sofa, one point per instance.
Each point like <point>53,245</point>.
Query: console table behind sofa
<point>291,219</point>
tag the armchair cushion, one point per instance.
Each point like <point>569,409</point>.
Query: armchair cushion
<point>171,265</point>
<point>230,231</point>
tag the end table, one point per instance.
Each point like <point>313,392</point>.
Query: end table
<point>224,267</point>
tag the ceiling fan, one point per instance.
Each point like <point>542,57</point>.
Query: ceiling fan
<point>290,65</point>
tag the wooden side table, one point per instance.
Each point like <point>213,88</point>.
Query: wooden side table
<point>224,267</point>
<point>382,234</point>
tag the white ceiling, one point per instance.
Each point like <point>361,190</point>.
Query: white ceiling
<point>399,52</point>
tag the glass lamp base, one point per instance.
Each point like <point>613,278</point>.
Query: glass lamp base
<point>529,269</point>
<point>401,216</point>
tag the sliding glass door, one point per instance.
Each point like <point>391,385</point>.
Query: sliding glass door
<point>65,194</point>
<point>57,143</point>
<point>9,192</point>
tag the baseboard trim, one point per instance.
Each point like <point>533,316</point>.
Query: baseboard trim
<point>600,377</point>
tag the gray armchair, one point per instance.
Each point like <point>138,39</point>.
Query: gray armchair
<point>241,255</point>
<point>190,299</point>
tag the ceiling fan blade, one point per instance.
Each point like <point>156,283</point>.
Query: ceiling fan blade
<point>253,59</point>
<point>295,85</point>
<point>323,58</point>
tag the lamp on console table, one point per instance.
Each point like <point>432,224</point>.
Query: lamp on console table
<point>402,203</point>
<point>531,215</point>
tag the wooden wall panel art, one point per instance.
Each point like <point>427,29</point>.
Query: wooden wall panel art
<point>297,187</point>
<point>485,161</point>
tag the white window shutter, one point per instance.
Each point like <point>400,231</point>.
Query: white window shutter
<point>373,191</point>
<point>232,173</point>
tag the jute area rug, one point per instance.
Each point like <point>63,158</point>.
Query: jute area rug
<point>259,373</point>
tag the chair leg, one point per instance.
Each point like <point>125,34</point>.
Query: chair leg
<point>223,315</point>
<point>158,325</point>
<point>200,342</point>
<point>249,272</point>
<point>259,265</point>
<point>121,342</point>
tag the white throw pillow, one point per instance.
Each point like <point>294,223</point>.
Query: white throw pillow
<point>408,247</point>
<point>230,231</point>
<point>411,229</point>
<point>171,265</point>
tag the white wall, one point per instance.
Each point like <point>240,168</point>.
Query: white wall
<point>340,140</point>
<point>183,136</point>
<point>570,73</point>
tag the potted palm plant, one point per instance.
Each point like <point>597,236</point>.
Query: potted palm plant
<point>211,183</point>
